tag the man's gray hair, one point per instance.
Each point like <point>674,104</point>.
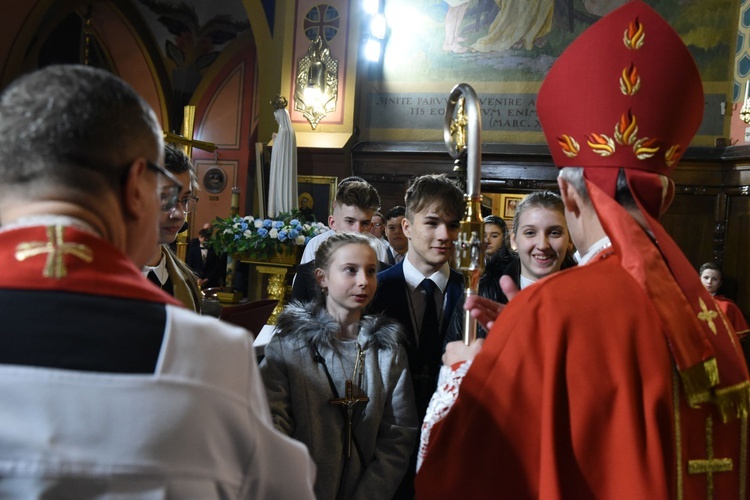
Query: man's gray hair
<point>574,177</point>
<point>73,128</point>
<point>623,195</point>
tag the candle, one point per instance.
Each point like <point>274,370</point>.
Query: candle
<point>235,203</point>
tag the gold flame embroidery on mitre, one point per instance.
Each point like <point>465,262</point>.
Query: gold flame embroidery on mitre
<point>634,36</point>
<point>569,146</point>
<point>626,129</point>
<point>672,155</point>
<point>601,144</point>
<point>630,80</point>
<point>645,148</point>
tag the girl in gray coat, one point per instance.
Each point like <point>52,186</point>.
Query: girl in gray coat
<point>339,382</point>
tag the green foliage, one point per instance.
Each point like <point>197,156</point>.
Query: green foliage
<point>263,238</point>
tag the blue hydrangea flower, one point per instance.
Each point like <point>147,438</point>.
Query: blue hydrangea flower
<point>263,232</point>
<point>267,224</point>
<point>293,233</point>
<point>278,224</point>
<point>282,235</point>
<point>294,222</point>
<point>307,239</point>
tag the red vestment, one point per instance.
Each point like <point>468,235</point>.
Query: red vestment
<point>733,314</point>
<point>575,395</point>
<point>64,258</point>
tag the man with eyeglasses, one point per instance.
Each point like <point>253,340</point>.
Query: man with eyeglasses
<point>164,269</point>
<point>109,387</point>
<point>377,228</point>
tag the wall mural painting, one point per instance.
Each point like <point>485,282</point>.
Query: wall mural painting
<point>509,45</point>
<point>192,36</point>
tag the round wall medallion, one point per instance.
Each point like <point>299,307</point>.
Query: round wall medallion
<point>215,180</point>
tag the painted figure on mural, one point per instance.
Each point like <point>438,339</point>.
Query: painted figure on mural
<point>453,19</point>
<point>519,24</point>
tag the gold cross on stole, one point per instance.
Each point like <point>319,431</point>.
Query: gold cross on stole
<point>709,465</point>
<point>707,315</point>
<point>56,249</point>
<point>349,402</point>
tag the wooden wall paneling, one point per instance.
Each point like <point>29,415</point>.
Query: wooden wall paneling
<point>736,268</point>
<point>696,220</point>
<point>323,161</point>
<point>691,220</point>
<point>505,168</point>
<point>736,189</point>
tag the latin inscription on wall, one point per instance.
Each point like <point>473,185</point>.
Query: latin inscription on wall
<point>501,112</point>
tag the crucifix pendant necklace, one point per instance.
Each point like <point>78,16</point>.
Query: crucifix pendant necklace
<point>347,405</point>
<point>349,402</point>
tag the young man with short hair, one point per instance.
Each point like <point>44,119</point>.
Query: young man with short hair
<point>165,269</point>
<point>356,202</point>
<point>434,206</point>
<point>421,291</point>
<point>397,242</point>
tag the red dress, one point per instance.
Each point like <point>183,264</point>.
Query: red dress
<point>575,395</point>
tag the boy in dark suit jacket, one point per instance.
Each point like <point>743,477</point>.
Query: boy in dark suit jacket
<point>434,206</point>
<point>421,291</point>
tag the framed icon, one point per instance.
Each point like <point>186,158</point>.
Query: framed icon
<point>508,204</point>
<point>315,196</point>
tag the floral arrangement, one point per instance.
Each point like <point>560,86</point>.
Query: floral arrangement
<point>263,238</point>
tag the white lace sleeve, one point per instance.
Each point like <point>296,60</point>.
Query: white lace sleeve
<point>442,401</point>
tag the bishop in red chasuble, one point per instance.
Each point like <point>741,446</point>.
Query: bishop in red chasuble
<point>620,378</point>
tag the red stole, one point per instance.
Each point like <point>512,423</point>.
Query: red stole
<point>63,258</point>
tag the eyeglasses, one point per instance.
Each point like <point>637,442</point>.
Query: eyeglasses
<point>170,194</point>
<point>187,205</point>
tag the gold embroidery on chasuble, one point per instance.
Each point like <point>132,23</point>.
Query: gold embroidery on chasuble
<point>55,248</point>
<point>707,315</point>
<point>709,465</point>
<point>743,456</point>
<point>677,433</point>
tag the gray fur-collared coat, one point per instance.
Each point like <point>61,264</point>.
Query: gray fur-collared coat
<point>299,393</point>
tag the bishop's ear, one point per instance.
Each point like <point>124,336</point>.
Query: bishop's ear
<point>570,197</point>
<point>667,195</point>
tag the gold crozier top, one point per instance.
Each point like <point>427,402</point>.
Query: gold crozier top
<point>458,125</point>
